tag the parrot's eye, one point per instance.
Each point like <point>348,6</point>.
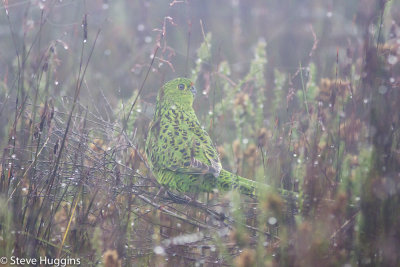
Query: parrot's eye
<point>181,86</point>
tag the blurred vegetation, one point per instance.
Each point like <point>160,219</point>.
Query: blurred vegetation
<point>301,95</point>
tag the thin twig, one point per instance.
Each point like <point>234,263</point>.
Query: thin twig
<point>140,90</point>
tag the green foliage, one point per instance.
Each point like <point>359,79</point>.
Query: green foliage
<point>256,72</point>
<point>312,88</point>
<point>7,239</point>
<point>203,56</point>
<point>318,117</point>
<point>279,92</point>
<point>127,115</point>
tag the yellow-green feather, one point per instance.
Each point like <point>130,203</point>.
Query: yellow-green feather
<point>181,154</point>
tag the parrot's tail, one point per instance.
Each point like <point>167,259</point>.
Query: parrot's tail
<point>228,181</point>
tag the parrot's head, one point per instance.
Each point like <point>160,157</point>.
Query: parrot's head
<point>179,91</point>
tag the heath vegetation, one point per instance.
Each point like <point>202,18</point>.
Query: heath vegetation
<point>301,95</point>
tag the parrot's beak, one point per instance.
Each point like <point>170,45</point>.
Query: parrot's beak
<point>193,90</point>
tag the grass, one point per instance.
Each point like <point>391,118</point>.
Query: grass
<point>313,110</point>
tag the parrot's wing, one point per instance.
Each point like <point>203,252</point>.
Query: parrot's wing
<point>180,144</point>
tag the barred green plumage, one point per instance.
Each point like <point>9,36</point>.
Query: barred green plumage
<point>180,152</point>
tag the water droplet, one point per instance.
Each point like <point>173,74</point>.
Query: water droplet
<point>316,162</point>
<point>30,23</point>
<point>294,155</point>
<point>372,29</point>
<point>56,82</point>
<point>245,141</point>
<point>382,89</point>
<point>210,112</point>
<point>66,47</point>
<point>140,27</point>
<point>105,6</point>
<point>298,161</point>
<point>392,59</point>
<point>342,114</point>
<point>272,220</point>
<point>365,101</point>
<point>148,39</point>
<point>329,14</point>
<point>84,40</point>
<point>391,80</point>
<point>159,250</point>
<point>204,93</point>
<point>13,156</point>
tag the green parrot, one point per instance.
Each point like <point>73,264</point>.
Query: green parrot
<point>180,152</point>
